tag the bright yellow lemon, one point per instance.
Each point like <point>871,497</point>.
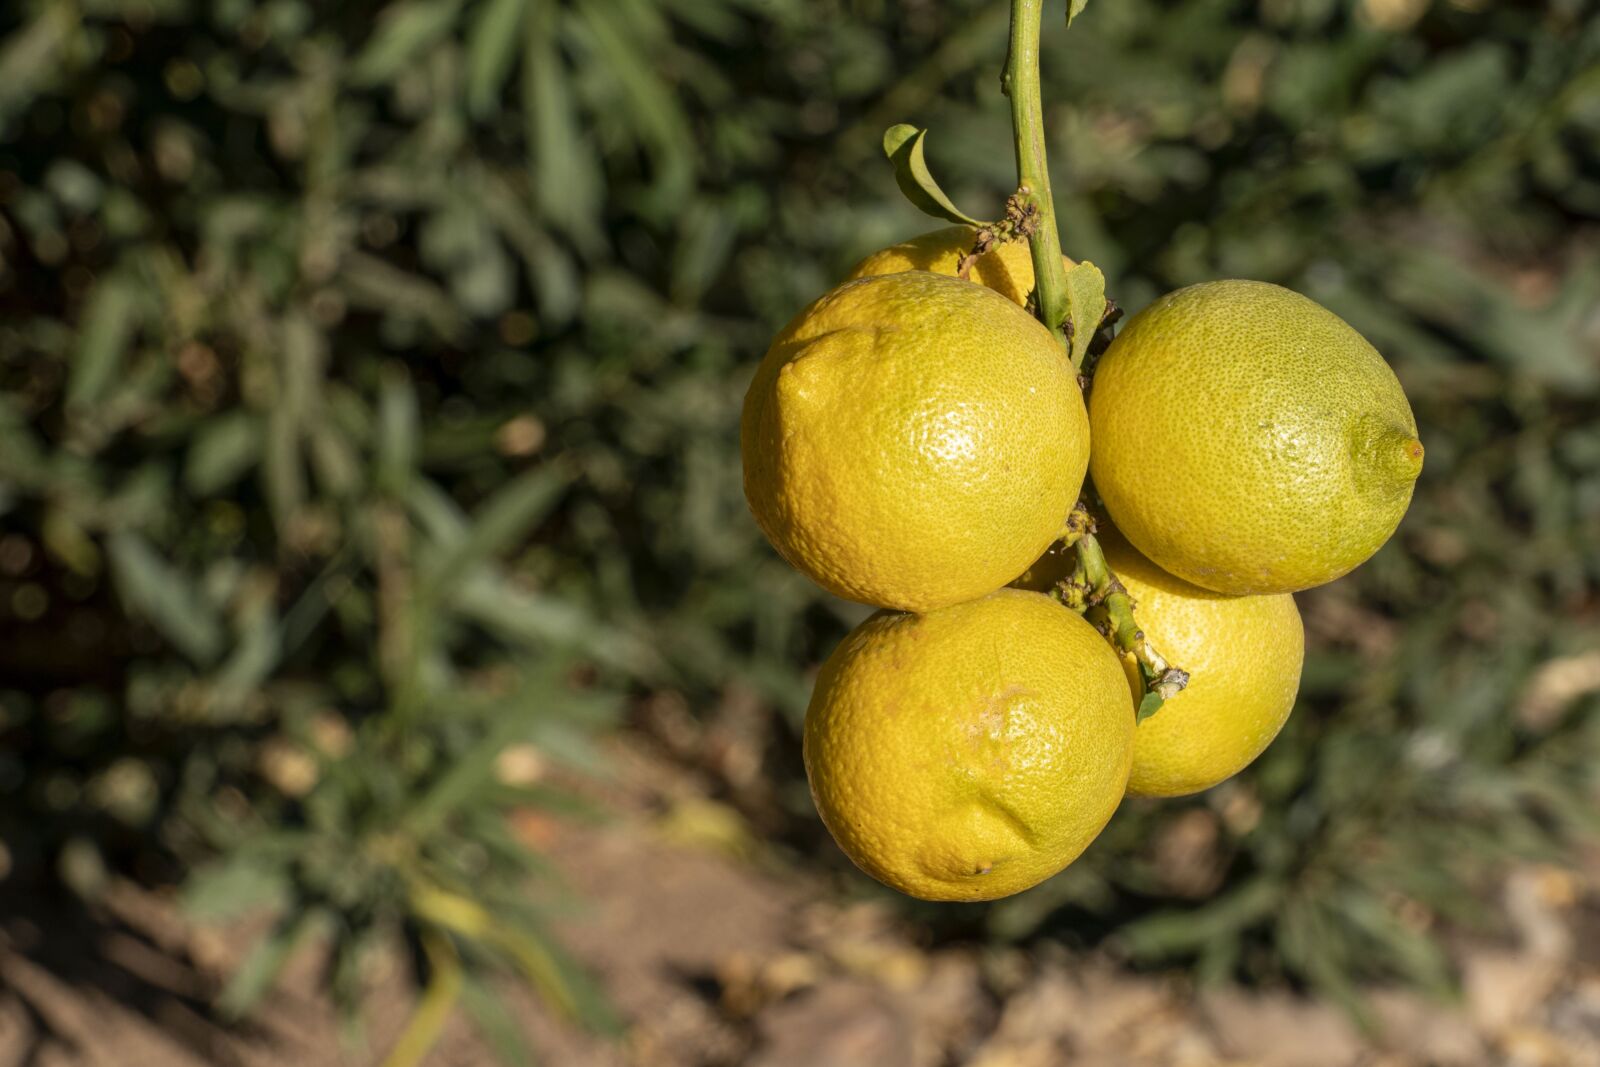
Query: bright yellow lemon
<point>971,752</point>
<point>913,441</point>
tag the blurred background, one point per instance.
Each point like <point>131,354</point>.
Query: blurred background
<point>390,671</point>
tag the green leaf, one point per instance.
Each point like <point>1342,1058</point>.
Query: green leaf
<point>1176,930</point>
<point>903,144</point>
<point>1148,706</point>
<point>495,1022</point>
<point>705,241</point>
<point>109,321</point>
<point>527,617</point>
<point>1413,953</point>
<point>438,1001</point>
<point>404,30</point>
<point>398,433</point>
<point>1075,8</point>
<point>221,451</point>
<point>265,962</point>
<point>333,458</point>
<point>302,356</point>
<point>502,521</point>
<point>66,539</point>
<point>238,884</point>
<point>652,105</point>
<point>1086,306</point>
<point>560,981</point>
<point>555,277</point>
<point>469,776</point>
<point>491,51</point>
<point>32,57</point>
<point>566,177</point>
<point>165,597</point>
<point>256,654</point>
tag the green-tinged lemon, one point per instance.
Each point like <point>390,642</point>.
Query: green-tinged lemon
<point>1248,440</point>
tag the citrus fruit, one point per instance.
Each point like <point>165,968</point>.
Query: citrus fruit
<point>1243,655</point>
<point>1007,268</point>
<point>913,440</point>
<point>1249,440</point>
<point>971,752</point>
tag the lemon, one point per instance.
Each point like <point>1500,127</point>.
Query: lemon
<point>1006,268</point>
<point>972,752</point>
<point>1243,655</point>
<point>1248,440</point>
<point>913,440</point>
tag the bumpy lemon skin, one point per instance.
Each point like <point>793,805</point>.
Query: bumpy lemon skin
<point>1006,268</point>
<point>972,752</point>
<point>1244,655</point>
<point>912,441</point>
<point>1249,440</point>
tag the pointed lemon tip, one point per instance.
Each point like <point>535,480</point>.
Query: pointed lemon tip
<point>1392,453</point>
<point>1411,452</point>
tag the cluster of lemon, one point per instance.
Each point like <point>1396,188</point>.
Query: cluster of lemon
<point>915,440</point>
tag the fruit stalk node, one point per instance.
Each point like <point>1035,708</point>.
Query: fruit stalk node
<point>1113,608</point>
<point>1020,220</point>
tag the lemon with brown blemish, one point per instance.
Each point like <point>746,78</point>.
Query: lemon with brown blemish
<point>913,441</point>
<point>971,752</point>
<point>1249,440</point>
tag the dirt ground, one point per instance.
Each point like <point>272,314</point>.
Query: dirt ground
<point>719,961</point>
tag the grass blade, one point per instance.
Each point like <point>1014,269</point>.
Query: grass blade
<point>260,969</point>
<point>166,598</point>
<point>491,51</point>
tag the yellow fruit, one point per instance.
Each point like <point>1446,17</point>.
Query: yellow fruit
<point>1007,268</point>
<point>972,752</point>
<point>913,441</point>
<point>1248,440</point>
<point>1243,655</point>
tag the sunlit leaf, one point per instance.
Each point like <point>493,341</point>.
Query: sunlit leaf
<point>1086,306</point>
<point>903,144</point>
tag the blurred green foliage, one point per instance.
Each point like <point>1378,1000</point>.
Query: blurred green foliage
<point>369,383</point>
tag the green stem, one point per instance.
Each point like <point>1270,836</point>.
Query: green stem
<point>1020,83</point>
<point>433,1010</point>
<point>1094,584</point>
